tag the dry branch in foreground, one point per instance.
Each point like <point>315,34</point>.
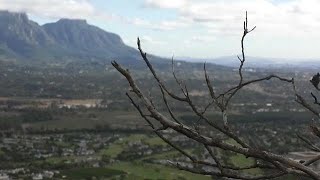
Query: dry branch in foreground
<point>274,165</point>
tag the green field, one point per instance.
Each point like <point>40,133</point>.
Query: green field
<point>118,146</point>
<point>136,170</point>
<point>132,171</point>
<point>139,169</point>
<point>2,153</point>
<point>150,171</point>
<point>88,173</point>
<point>113,151</point>
<point>116,154</point>
<point>83,120</point>
<point>242,161</point>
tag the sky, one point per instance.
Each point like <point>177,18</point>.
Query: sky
<point>194,28</point>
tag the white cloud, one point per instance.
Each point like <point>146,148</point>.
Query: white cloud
<point>205,39</point>
<point>150,40</point>
<point>171,4</point>
<point>84,9</point>
<point>292,17</point>
<point>140,22</point>
<point>164,25</point>
<point>54,9</point>
<point>169,25</point>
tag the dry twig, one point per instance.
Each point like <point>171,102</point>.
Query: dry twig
<point>278,164</point>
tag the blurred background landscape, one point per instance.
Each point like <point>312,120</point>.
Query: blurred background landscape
<point>64,113</point>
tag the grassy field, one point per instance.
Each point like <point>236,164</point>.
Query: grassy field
<point>155,141</point>
<point>113,150</point>
<point>129,170</point>
<point>132,171</point>
<point>88,173</point>
<point>83,120</point>
<point>151,171</point>
<point>60,160</point>
<point>2,153</point>
<point>150,140</point>
<point>242,161</point>
<point>91,118</point>
<point>139,168</point>
<point>118,146</point>
<point>164,155</point>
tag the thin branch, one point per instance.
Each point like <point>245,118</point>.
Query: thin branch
<point>207,107</point>
<point>312,146</point>
<point>315,130</point>
<point>303,102</point>
<point>176,78</point>
<point>279,163</point>
<point>209,85</point>
<point>245,32</point>
<point>255,81</point>
<point>192,134</point>
<point>167,105</point>
<point>231,92</point>
<point>224,130</point>
<point>315,99</point>
<point>146,60</point>
<point>228,174</point>
<point>215,158</point>
<point>311,161</point>
<point>140,111</point>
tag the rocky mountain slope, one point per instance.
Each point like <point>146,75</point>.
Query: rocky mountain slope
<point>23,39</point>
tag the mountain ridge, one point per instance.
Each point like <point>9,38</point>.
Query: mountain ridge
<point>24,39</point>
<point>258,62</point>
<point>73,40</point>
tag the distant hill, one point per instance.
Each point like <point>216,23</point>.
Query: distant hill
<point>67,41</point>
<point>258,62</point>
<point>20,37</point>
<point>80,39</point>
<point>23,39</point>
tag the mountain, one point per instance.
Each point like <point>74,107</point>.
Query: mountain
<point>258,62</point>
<point>78,38</point>
<point>67,41</point>
<point>23,39</point>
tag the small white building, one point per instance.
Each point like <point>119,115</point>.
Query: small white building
<point>4,177</point>
<point>37,177</point>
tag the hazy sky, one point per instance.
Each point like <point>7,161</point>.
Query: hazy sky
<point>194,28</point>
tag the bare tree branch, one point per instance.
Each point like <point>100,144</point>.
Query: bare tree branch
<point>315,99</point>
<point>311,161</point>
<point>308,142</point>
<point>146,60</point>
<point>192,134</point>
<point>167,105</point>
<point>277,164</point>
<point>245,32</point>
<point>228,174</point>
<point>315,130</point>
